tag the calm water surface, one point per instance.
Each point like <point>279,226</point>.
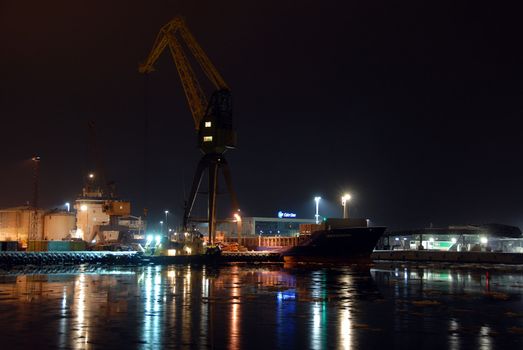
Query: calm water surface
<point>262,307</point>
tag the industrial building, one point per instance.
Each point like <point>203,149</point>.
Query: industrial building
<point>489,237</point>
<point>94,217</point>
<point>264,226</point>
<point>24,223</point>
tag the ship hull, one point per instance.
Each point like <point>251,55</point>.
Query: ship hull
<point>351,245</point>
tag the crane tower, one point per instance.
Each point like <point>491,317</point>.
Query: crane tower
<point>212,118</point>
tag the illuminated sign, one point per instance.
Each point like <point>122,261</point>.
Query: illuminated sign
<point>282,215</point>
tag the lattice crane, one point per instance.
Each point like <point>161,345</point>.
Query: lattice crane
<point>213,119</point>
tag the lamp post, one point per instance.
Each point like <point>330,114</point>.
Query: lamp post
<point>317,216</point>
<point>166,225</point>
<point>238,219</point>
<point>344,202</point>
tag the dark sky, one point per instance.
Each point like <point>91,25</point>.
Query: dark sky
<point>413,107</point>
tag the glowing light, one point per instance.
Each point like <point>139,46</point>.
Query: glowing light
<point>158,239</point>
<point>171,252</point>
<point>83,207</point>
<point>431,239</point>
<point>317,215</point>
<point>237,217</point>
<point>188,250</point>
<point>453,240</point>
<point>91,176</point>
<point>149,238</point>
<point>483,240</point>
<point>345,198</point>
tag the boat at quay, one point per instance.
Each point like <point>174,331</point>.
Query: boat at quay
<point>338,240</point>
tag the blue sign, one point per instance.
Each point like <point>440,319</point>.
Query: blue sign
<point>282,214</point>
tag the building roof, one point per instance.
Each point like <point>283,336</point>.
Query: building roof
<point>269,219</point>
<point>20,208</point>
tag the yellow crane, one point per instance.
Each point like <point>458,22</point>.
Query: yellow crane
<point>212,118</point>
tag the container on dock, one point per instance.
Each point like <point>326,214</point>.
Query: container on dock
<point>8,246</point>
<point>55,246</point>
<point>77,245</point>
<point>311,228</point>
<point>65,246</point>
<point>58,246</point>
<point>37,246</point>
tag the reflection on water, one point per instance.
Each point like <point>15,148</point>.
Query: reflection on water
<point>267,306</point>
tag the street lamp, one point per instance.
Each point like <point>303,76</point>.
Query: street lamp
<point>317,216</point>
<point>68,206</point>
<point>344,199</point>
<point>166,225</point>
<point>238,219</point>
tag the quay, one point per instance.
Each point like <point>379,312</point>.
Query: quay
<point>447,256</point>
<point>9,259</point>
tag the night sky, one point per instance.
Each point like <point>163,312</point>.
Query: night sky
<point>414,108</point>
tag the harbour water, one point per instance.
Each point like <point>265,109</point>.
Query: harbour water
<point>263,307</point>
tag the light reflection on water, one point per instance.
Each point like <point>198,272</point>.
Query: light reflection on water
<point>264,306</point>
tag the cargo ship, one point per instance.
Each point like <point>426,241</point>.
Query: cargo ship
<point>337,240</point>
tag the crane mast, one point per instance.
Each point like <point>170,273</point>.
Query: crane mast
<point>212,118</point>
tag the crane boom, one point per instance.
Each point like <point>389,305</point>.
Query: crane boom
<point>193,91</point>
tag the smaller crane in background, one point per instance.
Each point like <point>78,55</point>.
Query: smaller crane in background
<point>33,234</point>
<point>213,119</point>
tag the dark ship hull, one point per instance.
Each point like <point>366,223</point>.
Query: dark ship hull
<point>353,245</point>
